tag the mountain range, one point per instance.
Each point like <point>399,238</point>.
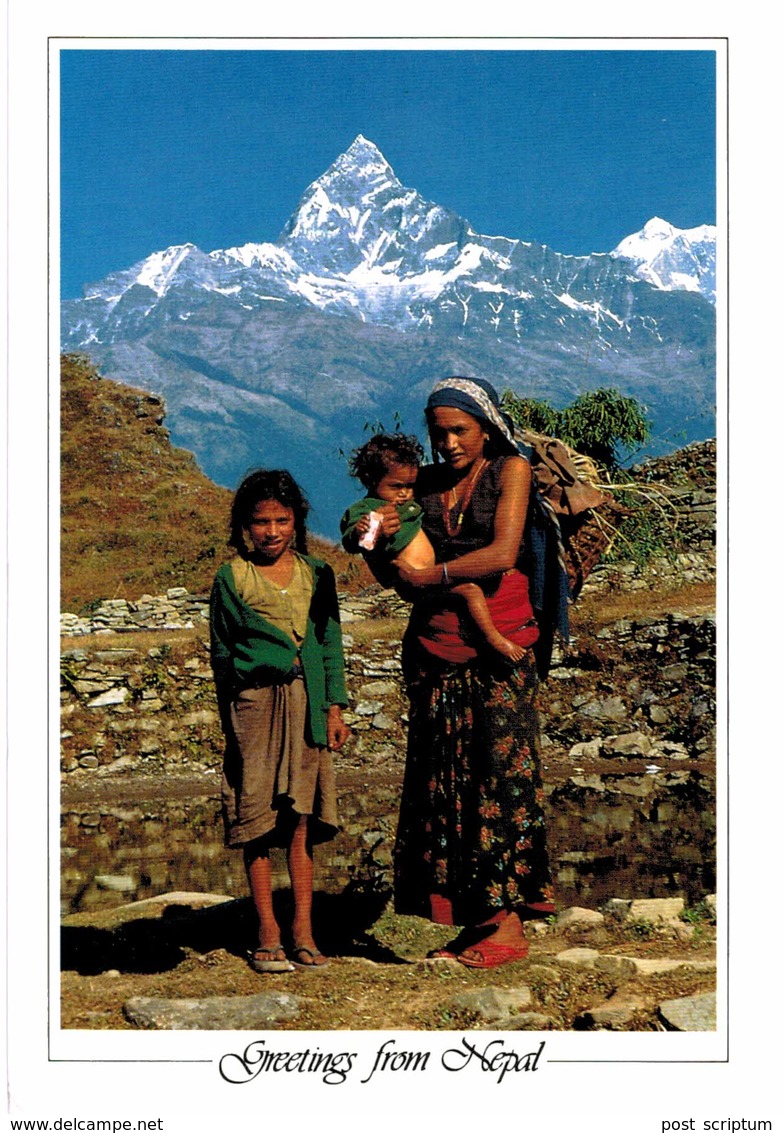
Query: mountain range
<point>285,354</point>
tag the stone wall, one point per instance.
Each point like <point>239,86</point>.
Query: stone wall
<point>652,679</point>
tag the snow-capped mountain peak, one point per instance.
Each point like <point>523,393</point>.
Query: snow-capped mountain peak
<point>673,259</point>
<point>362,162</point>
<point>283,351</point>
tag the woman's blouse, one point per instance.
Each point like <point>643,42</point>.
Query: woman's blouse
<point>478,521</point>
<point>285,607</point>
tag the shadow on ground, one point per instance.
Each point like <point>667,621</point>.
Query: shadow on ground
<point>148,945</point>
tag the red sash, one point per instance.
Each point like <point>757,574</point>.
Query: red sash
<point>444,634</point>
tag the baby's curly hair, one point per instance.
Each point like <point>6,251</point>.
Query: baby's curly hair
<point>371,461</point>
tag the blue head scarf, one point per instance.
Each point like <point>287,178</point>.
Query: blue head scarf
<point>478,398</point>
<point>547,575</point>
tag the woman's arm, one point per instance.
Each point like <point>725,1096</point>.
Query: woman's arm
<point>502,552</point>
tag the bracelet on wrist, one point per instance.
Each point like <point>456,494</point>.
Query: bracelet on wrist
<point>445,576</point>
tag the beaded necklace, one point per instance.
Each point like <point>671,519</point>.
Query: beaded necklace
<point>452,530</point>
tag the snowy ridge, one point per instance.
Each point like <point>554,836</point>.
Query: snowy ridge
<point>361,243</point>
<point>673,259</point>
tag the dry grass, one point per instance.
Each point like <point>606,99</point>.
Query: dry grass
<point>138,515</point>
<point>140,640</point>
<point>376,629</point>
<point>602,609</point>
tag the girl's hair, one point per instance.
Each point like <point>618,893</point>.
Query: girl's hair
<point>371,461</point>
<point>260,485</point>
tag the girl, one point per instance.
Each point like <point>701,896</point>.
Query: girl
<point>278,666</point>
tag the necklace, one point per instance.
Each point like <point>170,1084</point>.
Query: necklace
<point>454,529</point>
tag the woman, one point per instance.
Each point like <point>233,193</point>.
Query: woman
<point>471,846</point>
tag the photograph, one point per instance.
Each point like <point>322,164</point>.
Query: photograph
<point>388,539</point>
<point>387,453</point>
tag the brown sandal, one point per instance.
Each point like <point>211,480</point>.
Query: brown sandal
<point>317,959</point>
<point>270,960</point>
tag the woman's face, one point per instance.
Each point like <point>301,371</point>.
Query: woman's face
<point>271,530</point>
<point>457,437</point>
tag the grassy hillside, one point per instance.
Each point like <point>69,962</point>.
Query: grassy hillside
<point>137,515</point>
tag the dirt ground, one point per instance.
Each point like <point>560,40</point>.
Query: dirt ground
<point>377,978</point>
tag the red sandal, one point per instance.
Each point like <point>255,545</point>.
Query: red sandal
<point>490,954</point>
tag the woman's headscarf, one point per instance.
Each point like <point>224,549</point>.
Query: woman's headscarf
<point>478,398</point>
<point>547,574</point>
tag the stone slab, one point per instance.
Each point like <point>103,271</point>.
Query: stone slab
<point>217,1013</point>
<point>493,1003</point>
<point>692,1013</point>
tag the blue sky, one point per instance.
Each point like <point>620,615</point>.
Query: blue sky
<point>575,149</point>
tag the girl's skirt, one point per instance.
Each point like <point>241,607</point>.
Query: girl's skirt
<point>271,775</point>
<point>471,839</point>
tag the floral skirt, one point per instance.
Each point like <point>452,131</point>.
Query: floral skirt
<point>471,839</point>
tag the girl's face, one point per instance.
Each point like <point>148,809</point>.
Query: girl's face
<point>396,485</point>
<point>457,437</point>
<point>271,530</point>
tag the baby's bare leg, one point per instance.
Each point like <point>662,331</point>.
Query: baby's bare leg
<point>479,611</point>
<point>418,554</point>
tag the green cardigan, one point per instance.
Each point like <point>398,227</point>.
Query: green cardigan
<point>248,650</point>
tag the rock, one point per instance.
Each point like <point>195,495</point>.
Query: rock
<point>612,709</point>
<point>588,782</point>
<point>659,714</point>
<point>663,965</point>
<point>217,1013</point>
<point>383,722</point>
<point>116,883</point>
<point>106,699</point>
<point>492,1003</point>
<point>656,909</point>
<point>613,1015</point>
<point>379,688</point>
<point>627,966</point>
<point>580,957</point>
<point>692,1013</point>
<point>671,749</point>
<point>630,744</point>
<point>578,917</point>
<point>178,898</point>
<point>590,749</point>
<point>618,968</point>
<point>368,707</point>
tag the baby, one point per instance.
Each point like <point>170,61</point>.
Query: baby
<point>388,466</point>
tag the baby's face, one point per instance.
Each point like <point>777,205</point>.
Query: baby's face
<point>396,487</point>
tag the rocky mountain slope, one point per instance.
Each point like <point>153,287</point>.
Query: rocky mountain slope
<point>370,295</point>
<point>137,514</point>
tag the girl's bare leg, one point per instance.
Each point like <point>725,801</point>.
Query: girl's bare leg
<point>479,611</point>
<point>300,867</point>
<point>259,875</point>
